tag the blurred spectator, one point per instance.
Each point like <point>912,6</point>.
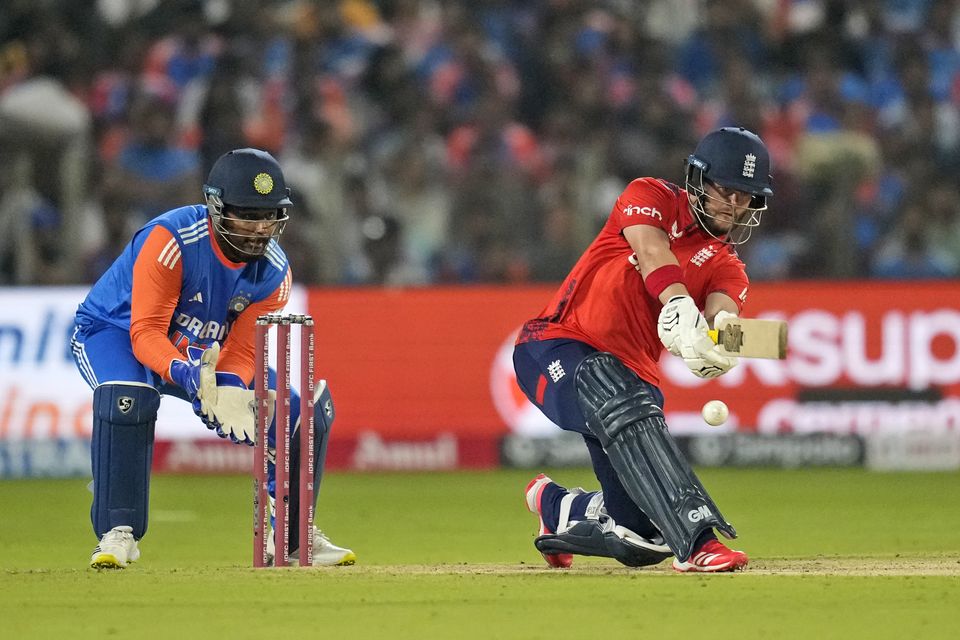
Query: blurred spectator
<point>728,30</point>
<point>45,137</point>
<point>29,245</point>
<point>378,257</point>
<point>557,249</point>
<point>906,254</point>
<point>187,52</point>
<point>420,200</point>
<point>942,230</point>
<point>327,236</point>
<point>463,142</point>
<point>151,173</point>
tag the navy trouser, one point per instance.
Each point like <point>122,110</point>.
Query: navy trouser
<point>545,372</point>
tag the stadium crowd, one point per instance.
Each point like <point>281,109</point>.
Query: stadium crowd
<point>456,141</point>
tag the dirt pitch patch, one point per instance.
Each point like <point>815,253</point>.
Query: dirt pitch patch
<point>824,566</point>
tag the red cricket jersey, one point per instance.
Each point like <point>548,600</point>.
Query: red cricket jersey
<point>603,301</point>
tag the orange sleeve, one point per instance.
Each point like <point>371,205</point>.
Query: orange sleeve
<point>157,275</point>
<point>237,354</point>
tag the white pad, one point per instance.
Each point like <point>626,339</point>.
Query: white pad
<point>566,503</point>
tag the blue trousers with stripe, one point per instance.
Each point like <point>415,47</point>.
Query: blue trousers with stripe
<point>545,372</point>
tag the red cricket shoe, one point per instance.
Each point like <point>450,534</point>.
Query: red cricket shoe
<point>533,494</point>
<point>712,556</point>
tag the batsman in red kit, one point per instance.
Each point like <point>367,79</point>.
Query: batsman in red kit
<point>661,272</point>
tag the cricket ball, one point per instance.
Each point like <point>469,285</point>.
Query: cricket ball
<point>715,412</point>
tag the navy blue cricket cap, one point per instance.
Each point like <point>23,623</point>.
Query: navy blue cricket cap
<point>735,158</point>
<point>248,179</point>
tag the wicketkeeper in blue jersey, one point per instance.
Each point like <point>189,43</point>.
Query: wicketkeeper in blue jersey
<point>180,305</point>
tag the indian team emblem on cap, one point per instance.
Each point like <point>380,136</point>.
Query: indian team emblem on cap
<point>124,403</point>
<point>263,183</point>
<point>749,165</point>
<point>238,304</point>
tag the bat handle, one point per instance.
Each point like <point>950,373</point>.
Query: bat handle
<point>714,335</point>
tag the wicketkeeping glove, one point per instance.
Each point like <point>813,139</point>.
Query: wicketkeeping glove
<point>186,373</point>
<point>228,407</point>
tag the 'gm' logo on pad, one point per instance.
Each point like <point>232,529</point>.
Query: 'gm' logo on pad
<point>124,403</point>
<point>698,514</point>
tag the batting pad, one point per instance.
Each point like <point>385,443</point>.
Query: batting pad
<point>124,415</point>
<point>622,413</point>
<point>323,415</point>
<point>595,538</point>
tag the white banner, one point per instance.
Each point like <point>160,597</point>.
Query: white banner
<point>41,392</point>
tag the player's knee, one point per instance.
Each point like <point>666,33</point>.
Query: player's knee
<point>323,410</point>
<point>613,397</point>
<point>124,415</point>
<point>126,404</point>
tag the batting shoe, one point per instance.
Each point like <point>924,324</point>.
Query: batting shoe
<point>713,556</point>
<point>116,550</point>
<point>534,494</point>
<point>325,553</point>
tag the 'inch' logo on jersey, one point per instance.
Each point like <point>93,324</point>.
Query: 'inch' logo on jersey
<point>646,211</point>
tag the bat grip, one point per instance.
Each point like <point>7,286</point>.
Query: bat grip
<point>714,335</point>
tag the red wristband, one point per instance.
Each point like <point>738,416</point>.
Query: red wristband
<point>661,278</point>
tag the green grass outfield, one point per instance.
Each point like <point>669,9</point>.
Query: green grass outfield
<point>834,554</point>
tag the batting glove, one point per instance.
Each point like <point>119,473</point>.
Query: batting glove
<point>712,364</point>
<point>706,360</point>
<point>681,326</point>
<point>720,317</point>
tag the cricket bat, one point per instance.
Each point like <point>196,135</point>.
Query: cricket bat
<point>752,338</point>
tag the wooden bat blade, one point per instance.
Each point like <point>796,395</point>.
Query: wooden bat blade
<point>752,338</point>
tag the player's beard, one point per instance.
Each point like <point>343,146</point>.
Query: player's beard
<point>720,224</point>
<point>254,247</point>
<point>241,247</point>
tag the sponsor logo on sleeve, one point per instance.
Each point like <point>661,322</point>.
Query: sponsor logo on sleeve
<point>650,212</point>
